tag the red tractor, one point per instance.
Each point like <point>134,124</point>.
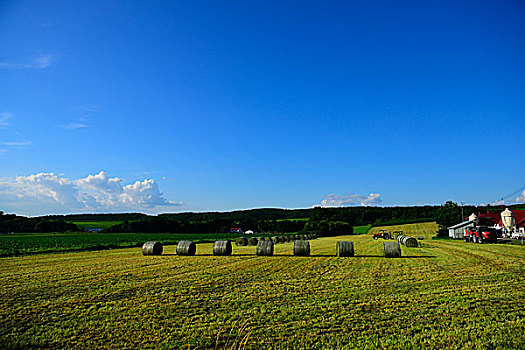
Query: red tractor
<point>382,234</point>
<point>481,235</point>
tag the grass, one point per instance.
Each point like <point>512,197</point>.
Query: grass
<point>359,230</point>
<point>444,294</point>
<point>31,243</point>
<point>425,229</point>
<point>95,224</point>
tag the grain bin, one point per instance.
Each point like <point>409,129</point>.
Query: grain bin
<point>345,248</point>
<point>301,248</point>
<point>392,249</point>
<point>152,248</point>
<point>508,220</point>
<point>186,248</point>
<point>264,248</point>
<point>222,248</point>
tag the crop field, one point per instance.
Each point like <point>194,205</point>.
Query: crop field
<point>358,230</point>
<point>425,229</point>
<point>95,224</point>
<point>29,243</point>
<point>443,294</point>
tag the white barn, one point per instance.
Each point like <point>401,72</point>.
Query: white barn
<point>458,230</point>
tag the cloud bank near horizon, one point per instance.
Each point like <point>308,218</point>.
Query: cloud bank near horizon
<point>98,192</point>
<point>335,200</point>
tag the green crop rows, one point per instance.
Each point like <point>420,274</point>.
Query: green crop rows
<point>17,244</point>
<point>95,224</point>
<point>442,295</point>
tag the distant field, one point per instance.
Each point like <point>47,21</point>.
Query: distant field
<point>95,224</point>
<point>17,244</point>
<point>359,230</point>
<point>445,294</point>
<point>425,229</point>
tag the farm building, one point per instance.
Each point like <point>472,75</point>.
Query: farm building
<point>488,219</point>
<point>518,218</point>
<point>458,230</point>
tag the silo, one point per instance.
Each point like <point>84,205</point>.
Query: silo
<point>509,222</point>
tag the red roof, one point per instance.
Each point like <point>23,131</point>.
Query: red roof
<point>494,217</point>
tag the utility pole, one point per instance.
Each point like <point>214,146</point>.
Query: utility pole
<point>462,216</point>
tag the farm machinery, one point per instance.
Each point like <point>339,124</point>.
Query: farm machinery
<point>382,234</point>
<point>481,234</point>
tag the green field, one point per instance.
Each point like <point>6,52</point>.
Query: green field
<point>445,294</point>
<point>359,230</point>
<point>30,243</point>
<point>95,224</point>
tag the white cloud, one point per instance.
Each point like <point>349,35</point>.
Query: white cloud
<point>334,200</point>
<point>38,62</point>
<point>16,144</point>
<point>4,119</point>
<point>521,198</point>
<point>73,126</point>
<point>93,193</point>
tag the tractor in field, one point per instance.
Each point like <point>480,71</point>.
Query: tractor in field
<point>382,234</point>
<point>481,235</point>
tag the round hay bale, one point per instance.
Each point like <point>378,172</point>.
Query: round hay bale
<point>222,248</point>
<point>275,240</point>
<point>252,241</point>
<point>152,248</point>
<point>264,248</point>
<point>288,239</point>
<point>282,239</point>
<point>241,241</point>
<point>392,249</point>
<point>186,248</point>
<point>301,248</point>
<point>411,242</point>
<point>345,248</point>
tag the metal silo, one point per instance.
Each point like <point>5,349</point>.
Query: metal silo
<point>509,222</point>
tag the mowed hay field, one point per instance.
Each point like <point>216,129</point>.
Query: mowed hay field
<point>444,294</point>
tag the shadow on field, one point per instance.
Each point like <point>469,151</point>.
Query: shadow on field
<point>174,254</point>
<point>402,257</point>
<point>316,256</point>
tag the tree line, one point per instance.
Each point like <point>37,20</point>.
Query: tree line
<point>11,223</point>
<point>325,221</point>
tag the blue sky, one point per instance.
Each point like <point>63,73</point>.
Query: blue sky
<point>161,106</point>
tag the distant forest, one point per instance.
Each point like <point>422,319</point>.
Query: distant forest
<point>324,221</point>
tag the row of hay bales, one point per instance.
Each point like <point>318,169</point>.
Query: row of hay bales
<point>266,248</point>
<point>246,241</point>
<point>409,242</point>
